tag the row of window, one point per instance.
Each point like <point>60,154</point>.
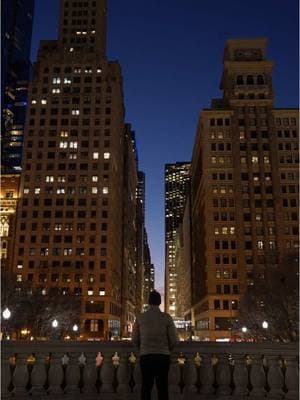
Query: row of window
<point>58,251</point>
<point>68,190</point>
<point>60,214</point>
<point>224,230</point>
<point>78,239</point>
<point>227,289</point>
<point>68,89</point>
<point>73,110</point>
<point>64,167</point>
<point>69,101</point>
<point>223,202</point>
<point>67,226</point>
<point>250,80</point>
<point>219,122</point>
<point>225,304</point>
<point>287,134</point>
<point>250,96</point>
<point>78,264</point>
<point>223,216</point>
<point>226,259</point>
<point>289,159</point>
<point>286,121</point>
<point>66,122</point>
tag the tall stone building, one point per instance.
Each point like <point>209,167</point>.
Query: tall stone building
<point>75,194</point>
<point>244,187</point>
<point>16,30</point>
<point>176,181</point>
<point>9,197</point>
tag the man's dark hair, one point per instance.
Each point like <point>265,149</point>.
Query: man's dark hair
<point>154,298</point>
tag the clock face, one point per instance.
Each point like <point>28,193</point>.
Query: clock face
<point>247,54</point>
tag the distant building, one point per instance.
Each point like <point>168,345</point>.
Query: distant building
<point>176,180</point>
<point>140,233</point>
<point>244,188</point>
<point>148,278</point>
<point>79,176</point>
<point>9,200</point>
<point>16,30</point>
<point>183,264</point>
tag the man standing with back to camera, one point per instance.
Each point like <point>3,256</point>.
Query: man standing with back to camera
<point>154,333</point>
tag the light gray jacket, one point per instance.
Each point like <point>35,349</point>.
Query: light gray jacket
<point>154,332</point>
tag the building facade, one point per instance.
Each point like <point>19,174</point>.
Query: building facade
<point>176,181</point>
<point>70,231</point>
<point>9,202</point>
<point>244,188</point>
<point>148,272</point>
<point>16,30</point>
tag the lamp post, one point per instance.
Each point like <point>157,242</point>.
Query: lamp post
<point>265,326</point>
<point>75,330</point>
<point>54,326</point>
<point>6,314</point>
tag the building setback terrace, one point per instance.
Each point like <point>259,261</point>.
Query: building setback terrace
<point>110,370</point>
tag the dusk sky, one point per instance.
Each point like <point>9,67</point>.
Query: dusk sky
<point>171,55</point>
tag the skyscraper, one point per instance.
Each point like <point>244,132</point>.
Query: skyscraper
<point>244,188</point>
<point>16,30</point>
<point>75,193</point>
<point>176,183</point>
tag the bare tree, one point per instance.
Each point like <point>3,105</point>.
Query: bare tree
<point>273,298</point>
<point>35,311</point>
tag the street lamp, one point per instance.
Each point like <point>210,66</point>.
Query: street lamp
<point>54,323</point>
<point>75,328</point>
<point>265,325</point>
<point>244,329</point>
<point>6,313</point>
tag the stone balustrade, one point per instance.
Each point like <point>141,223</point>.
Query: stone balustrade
<point>110,370</point>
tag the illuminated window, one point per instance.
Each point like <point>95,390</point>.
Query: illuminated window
<point>26,190</point>
<point>37,190</point>
<point>105,190</point>
<point>266,160</point>
<point>260,245</point>
<point>58,227</point>
<point>96,155</point>
<point>254,159</point>
<point>44,101</point>
<point>106,156</point>
<point>19,278</point>
<point>67,81</point>
<point>33,101</point>
<point>75,112</point>
<point>55,90</point>
<point>64,134</point>
<point>95,178</point>
<point>63,145</point>
<point>56,80</point>
<point>73,145</point>
<point>232,230</point>
<point>49,178</point>
<point>94,190</point>
<point>90,292</point>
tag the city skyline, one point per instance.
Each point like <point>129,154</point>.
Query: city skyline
<point>149,71</point>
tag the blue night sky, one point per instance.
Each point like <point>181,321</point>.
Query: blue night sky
<point>171,56</point>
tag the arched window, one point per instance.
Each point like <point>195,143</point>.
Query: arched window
<point>250,80</point>
<point>239,80</point>
<point>260,80</point>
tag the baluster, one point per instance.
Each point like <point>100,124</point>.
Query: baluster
<point>174,379</point>
<point>240,376</point>
<point>181,360</point>
<point>257,377</point>
<point>39,375</point>
<point>190,378</point>
<point>132,364</point>
<point>223,375</point>
<point>275,378</point>
<point>72,374</point>
<point>90,374</point>
<point>5,375</point>
<point>292,378</point>
<point>20,375</point>
<point>207,375</point>
<point>107,374</point>
<point>137,376</point>
<point>55,374</point>
<point>123,376</point>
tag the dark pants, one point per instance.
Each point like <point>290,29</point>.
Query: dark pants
<point>155,367</point>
